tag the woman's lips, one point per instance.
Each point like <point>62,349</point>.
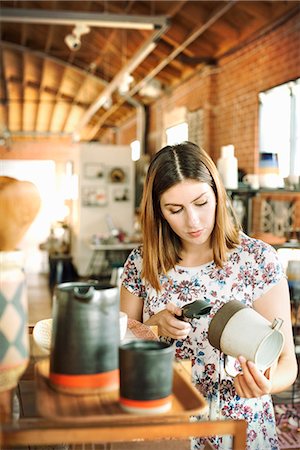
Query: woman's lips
<point>196,234</point>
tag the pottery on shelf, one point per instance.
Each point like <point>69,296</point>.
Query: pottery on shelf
<point>19,204</point>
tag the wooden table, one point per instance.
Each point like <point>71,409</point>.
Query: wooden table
<point>109,424</point>
<point>98,418</point>
<point>38,432</point>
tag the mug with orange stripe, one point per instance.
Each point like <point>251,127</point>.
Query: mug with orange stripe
<point>146,376</point>
<point>85,338</point>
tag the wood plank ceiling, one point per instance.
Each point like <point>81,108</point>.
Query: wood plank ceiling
<point>50,89</point>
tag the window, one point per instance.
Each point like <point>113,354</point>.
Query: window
<point>135,150</point>
<point>279,125</point>
<point>177,134</point>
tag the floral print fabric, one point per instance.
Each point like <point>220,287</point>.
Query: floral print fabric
<point>250,271</point>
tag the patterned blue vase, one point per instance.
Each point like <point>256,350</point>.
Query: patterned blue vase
<point>14,341</point>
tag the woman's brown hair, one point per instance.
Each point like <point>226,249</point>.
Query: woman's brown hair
<point>161,246</point>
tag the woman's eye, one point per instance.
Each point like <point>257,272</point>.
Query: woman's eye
<point>201,204</point>
<point>176,211</point>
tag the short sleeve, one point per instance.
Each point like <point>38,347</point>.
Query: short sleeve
<point>268,270</point>
<point>131,276</point>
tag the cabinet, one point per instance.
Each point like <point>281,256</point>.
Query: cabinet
<point>275,212</point>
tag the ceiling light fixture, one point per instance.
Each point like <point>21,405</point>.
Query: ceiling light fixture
<point>73,40</point>
<point>108,103</point>
<point>152,89</point>
<point>124,86</point>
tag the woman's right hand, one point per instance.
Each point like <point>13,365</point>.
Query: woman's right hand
<point>168,325</point>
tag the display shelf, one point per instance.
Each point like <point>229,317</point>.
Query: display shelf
<point>242,200</point>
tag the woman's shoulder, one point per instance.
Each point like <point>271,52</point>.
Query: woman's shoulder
<point>137,252</point>
<point>136,255</point>
<point>255,246</point>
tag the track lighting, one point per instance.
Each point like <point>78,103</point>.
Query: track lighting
<point>73,40</point>
<point>108,103</point>
<point>124,86</point>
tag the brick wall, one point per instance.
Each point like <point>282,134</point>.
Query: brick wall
<point>266,62</point>
<point>229,94</point>
<point>193,94</point>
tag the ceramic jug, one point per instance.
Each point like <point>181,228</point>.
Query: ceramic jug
<point>238,330</point>
<point>85,337</point>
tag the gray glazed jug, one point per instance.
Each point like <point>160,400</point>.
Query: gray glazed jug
<point>85,337</point>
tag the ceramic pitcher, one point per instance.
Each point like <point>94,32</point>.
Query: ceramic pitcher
<point>238,330</point>
<point>85,337</point>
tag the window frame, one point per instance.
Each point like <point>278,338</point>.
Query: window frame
<point>292,128</point>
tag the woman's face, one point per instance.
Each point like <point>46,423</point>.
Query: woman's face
<point>189,208</point>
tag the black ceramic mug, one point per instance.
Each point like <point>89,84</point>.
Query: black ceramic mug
<point>85,337</point>
<point>146,376</point>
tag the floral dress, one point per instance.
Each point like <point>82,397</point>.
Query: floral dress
<point>250,271</point>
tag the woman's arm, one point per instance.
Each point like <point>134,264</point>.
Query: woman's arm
<point>131,304</point>
<point>251,382</point>
<point>165,320</point>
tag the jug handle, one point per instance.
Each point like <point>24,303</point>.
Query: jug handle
<point>84,294</point>
<point>276,325</point>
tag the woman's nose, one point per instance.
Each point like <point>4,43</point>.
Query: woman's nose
<point>192,217</point>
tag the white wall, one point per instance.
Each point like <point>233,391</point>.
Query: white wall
<point>92,219</point>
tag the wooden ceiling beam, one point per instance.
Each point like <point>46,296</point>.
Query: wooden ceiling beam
<point>203,46</point>
<point>141,54</point>
<point>31,85</point>
<point>12,66</point>
<point>219,12</point>
<point>32,69</point>
<point>258,10</point>
<point>153,60</point>
<point>74,117</point>
<point>44,56</point>
<point>60,116</point>
<point>3,101</point>
<point>196,13</point>
<point>164,76</point>
<point>36,88</point>
<point>88,91</point>
<point>225,30</point>
<point>12,70</point>
<point>176,7</point>
<point>71,83</point>
<point>175,36</point>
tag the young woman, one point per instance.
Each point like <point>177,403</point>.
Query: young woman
<point>194,249</point>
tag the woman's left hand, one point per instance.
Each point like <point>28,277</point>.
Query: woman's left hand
<point>251,382</point>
